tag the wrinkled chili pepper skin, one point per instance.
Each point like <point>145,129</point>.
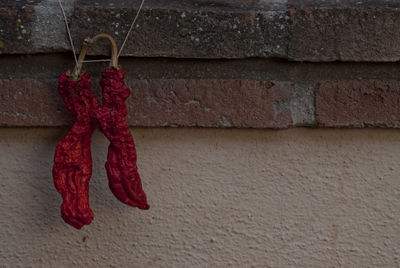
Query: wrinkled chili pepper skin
<point>72,161</point>
<point>124,179</point>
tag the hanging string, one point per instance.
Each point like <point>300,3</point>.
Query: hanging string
<point>123,44</point>
<point>69,32</point>
<point>126,37</point>
<point>131,28</point>
<point>105,60</point>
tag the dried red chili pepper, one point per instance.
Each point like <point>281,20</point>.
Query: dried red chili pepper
<point>73,162</point>
<point>123,177</point>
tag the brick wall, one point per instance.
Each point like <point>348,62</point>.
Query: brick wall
<point>259,64</point>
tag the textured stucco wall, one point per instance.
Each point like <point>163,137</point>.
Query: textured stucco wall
<point>240,198</point>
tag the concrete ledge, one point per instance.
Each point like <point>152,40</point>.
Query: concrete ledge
<point>356,31</point>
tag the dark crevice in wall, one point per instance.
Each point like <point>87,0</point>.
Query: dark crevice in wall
<point>44,66</point>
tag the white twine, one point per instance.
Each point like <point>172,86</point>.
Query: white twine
<point>122,46</point>
<point>69,33</point>
<point>130,29</point>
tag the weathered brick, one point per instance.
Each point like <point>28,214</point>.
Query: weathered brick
<point>160,102</point>
<point>358,104</point>
<point>28,102</point>
<point>176,28</point>
<point>366,32</point>
<point>15,31</point>
<point>209,103</point>
<point>340,31</point>
<point>170,30</point>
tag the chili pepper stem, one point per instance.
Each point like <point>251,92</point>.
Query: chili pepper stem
<point>77,71</point>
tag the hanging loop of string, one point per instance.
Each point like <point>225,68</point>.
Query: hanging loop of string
<point>69,32</point>
<point>76,73</point>
<point>122,46</point>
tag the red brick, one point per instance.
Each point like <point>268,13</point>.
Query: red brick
<point>209,103</point>
<point>160,102</point>
<point>358,104</point>
<point>27,102</point>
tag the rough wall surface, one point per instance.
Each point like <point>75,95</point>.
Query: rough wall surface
<point>220,198</point>
<point>340,30</point>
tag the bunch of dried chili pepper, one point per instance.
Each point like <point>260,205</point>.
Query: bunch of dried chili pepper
<point>73,162</point>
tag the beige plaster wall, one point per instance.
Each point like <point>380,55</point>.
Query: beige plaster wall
<point>219,198</point>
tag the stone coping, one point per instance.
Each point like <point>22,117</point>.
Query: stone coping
<point>315,31</point>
